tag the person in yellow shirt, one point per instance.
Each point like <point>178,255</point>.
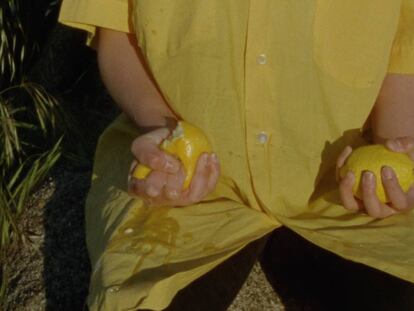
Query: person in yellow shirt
<point>281,89</point>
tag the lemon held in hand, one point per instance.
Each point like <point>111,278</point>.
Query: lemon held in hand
<point>373,158</point>
<point>186,142</point>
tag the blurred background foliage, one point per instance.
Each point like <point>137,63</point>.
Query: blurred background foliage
<point>31,120</point>
<point>53,108</point>
<point>49,90</point>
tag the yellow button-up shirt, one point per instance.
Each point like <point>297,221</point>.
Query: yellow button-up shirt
<point>280,87</point>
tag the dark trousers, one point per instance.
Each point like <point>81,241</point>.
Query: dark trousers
<point>303,275</point>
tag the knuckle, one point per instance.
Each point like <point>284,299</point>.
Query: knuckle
<point>152,191</point>
<point>137,144</point>
<point>154,161</point>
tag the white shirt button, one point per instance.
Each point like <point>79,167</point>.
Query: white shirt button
<point>261,59</point>
<point>128,230</point>
<point>262,138</point>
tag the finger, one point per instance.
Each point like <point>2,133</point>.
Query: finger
<point>346,193</point>
<point>146,149</point>
<point>157,136</point>
<point>341,161</point>
<point>155,183</point>
<point>174,184</point>
<point>373,206</point>
<point>343,156</point>
<point>212,175</point>
<point>214,167</point>
<point>136,187</point>
<point>199,181</point>
<point>395,193</point>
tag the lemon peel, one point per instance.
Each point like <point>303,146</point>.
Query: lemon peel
<point>187,142</point>
<point>373,158</point>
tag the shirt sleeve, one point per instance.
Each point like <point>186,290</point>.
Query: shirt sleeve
<point>402,53</point>
<point>90,14</point>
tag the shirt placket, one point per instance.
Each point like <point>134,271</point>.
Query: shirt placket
<point>257,101</point>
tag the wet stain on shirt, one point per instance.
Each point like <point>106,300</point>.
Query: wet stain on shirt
<point>147,230</point>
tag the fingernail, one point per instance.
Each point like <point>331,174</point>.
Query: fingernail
<point>204,158</point>
<point>387,173</point>
<point>395,145</point>
<point>214,158</point>
<point>152,191</point>
<point>367,177</point>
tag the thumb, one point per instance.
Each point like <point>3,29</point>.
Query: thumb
<point>146,150</point>
<point>403,144</point>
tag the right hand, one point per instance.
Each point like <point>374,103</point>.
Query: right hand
<point>164,185</point>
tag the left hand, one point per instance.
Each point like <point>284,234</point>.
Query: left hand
<point>399,201</point>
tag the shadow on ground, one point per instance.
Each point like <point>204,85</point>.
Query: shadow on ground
<point>72,75</point>
<point>66,264</point>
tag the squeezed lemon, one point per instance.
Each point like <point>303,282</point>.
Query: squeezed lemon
<point>187,142</point>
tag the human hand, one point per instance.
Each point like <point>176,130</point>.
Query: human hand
<point>164,185</point>
<point>399,201</point>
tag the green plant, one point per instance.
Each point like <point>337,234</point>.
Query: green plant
<point>28,118</point>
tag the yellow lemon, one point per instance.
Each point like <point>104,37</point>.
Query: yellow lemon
<point>373,158</point>
<point>187,143</point>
